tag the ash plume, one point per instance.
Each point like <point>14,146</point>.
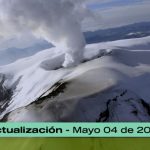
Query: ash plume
<point>57,21</point>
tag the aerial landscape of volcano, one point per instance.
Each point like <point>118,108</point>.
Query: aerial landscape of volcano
<point>52,71</point>
<point>80,65</point>
<point>111,84</point>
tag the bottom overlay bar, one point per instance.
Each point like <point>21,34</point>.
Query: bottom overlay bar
<point>74,129</point>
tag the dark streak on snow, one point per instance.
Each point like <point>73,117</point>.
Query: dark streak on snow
<point>5,94</point>
<point>104,116</point>
<point>57,89</point>
<point>5,118</point>
<point>146,106</point>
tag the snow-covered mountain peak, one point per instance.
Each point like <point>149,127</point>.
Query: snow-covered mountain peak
<point>39,83</point>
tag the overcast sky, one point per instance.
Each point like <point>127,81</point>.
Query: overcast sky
<point>113,13</point>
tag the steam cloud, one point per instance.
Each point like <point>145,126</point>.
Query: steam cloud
<point>58,21</point>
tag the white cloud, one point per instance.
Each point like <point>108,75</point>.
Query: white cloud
<point>120,15</point>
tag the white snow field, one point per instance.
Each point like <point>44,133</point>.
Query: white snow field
<point>112,84</point>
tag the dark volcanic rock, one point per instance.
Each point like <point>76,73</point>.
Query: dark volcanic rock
<point>5,94</point>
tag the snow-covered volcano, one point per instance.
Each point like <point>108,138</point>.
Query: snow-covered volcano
<point>111,84</point>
